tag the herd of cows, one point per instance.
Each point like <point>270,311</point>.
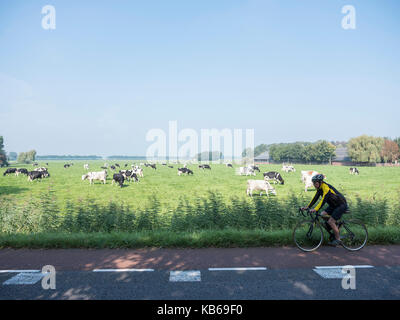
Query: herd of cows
<point>136,171</point>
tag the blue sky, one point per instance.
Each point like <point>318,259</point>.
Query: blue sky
<point>113,70</point>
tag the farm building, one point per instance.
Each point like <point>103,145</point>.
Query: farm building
<point>262,158</point>
<point>342,157</point>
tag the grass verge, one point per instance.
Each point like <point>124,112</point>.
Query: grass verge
<point>163,239</point>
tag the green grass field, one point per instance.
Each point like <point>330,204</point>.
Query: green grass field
<point>373,182</point>
<point>210,208</point>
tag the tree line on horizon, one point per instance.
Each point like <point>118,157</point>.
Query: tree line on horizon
<point>362,149</point>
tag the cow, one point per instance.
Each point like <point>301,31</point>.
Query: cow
<point>10,170</point>
<point>184,170</point>
<point>288,168</point>
<point>117,165</point>
<point>255,168</point>
<point>112,168</point>
<point>105,168</point>
<point>274,176</point>
<point>118,178</point>
<point>86,166</point>
<point>247,171</point>
<point>204,166</point>
<point>21,170</point>
<point>42,169</point>
<point>138,171</point>
<point>99,175</point>
<point>66,166</point>
<point>37,175</point>
<point>126,165</point>
<point>261,185</point>
<point>229,165</point>
<point>35,164</point>
<point>128,174</point>
<point>354,171</point>
<point>153,166</point>
<point>171,167</point>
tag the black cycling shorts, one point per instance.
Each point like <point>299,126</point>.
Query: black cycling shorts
<point>337,212</point>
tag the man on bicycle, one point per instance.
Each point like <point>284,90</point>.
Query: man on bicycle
<point>336,201</point>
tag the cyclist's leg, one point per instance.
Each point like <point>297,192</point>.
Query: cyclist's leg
<point>335,216</point>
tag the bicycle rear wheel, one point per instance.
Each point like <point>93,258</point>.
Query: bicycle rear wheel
<point>308,235</point>
<point>353,234</point>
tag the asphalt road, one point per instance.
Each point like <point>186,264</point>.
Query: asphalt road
<point>173,274</point>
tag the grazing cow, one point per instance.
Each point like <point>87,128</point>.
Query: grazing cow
<point>274,176</point>
<point>255,168</point>
<point>99,175</point>
<point>21,170</point>
<point>126,165</point>
<point>171,167</point>
<point>86,166</point>
<point>128,174</point>
<point>37,175</point>
<point>184,170</point>
<point>138,171</point>
<point>204,166</point>
<point>354,171</point>
<point>117,165</point>
<point>112,167</point>
<point>288,168</point>
<point>35,164</point>
<point>153,166</point>
<point>104,168</point>
<point>229,165</point>
<point>66,166</point>
<point>118,178</point>
<point>42,169</point>
<point>247,171</point>
<point>261,185</point>
<point>10,170</point>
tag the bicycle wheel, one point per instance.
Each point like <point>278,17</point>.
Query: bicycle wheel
<point>308,235</point>
<point>353,234</point>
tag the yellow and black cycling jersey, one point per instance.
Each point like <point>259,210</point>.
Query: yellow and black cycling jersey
<point>329,195</point>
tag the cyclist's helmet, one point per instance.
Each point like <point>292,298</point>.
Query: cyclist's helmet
<point>318,178</point>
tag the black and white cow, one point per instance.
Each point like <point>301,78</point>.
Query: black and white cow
<point>33,175</point>
<point>129,174</point>
<point>66,166</point>
<point>229,165</point>
<point>354,171</point>
<point>274,176</point>
<point>10,170</point>
<point>171,167</point>
<point>204,166</point>
<point>184,170</point>
<point>118,178</point>
<point>255,168</point>
<point>21,170</point>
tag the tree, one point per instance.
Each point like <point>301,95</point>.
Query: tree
<point>365,149</point>
<point>397,140</point>
<point>3,157</point>
<point>12,156</point>
<point>390,151</point>
<point>26,157</point>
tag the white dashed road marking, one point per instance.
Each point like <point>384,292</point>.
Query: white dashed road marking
<point>123,270</point>
<point>335,272</point>
<point>24,278</point>
<point>18,271</point>
<point>238,269</point>
<point>184,276</point>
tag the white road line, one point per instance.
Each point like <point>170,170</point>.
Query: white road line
<point>18,271</point>
<point>24,278</point>
<point>123,270</point>
<point>332,267</point>
<point>184,276</point>
<point>335,272</point>
<point>238,269</point>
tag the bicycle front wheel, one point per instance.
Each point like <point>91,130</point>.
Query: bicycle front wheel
<point>308,235</point>
<point>353,234</point>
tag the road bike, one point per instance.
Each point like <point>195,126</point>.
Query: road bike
<point>308,234</point>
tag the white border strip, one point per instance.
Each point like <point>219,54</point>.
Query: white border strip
<point>123,270</point>
<point>18,271</point>
<point>238,269</point>
<point>335,267</point>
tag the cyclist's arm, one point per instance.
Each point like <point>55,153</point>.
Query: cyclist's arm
<point>314,200</point>
<point>325,190</point>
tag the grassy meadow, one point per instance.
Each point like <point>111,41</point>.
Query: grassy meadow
<point>211,202</point>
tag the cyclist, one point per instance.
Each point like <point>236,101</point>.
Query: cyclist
<point>337,205</point>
